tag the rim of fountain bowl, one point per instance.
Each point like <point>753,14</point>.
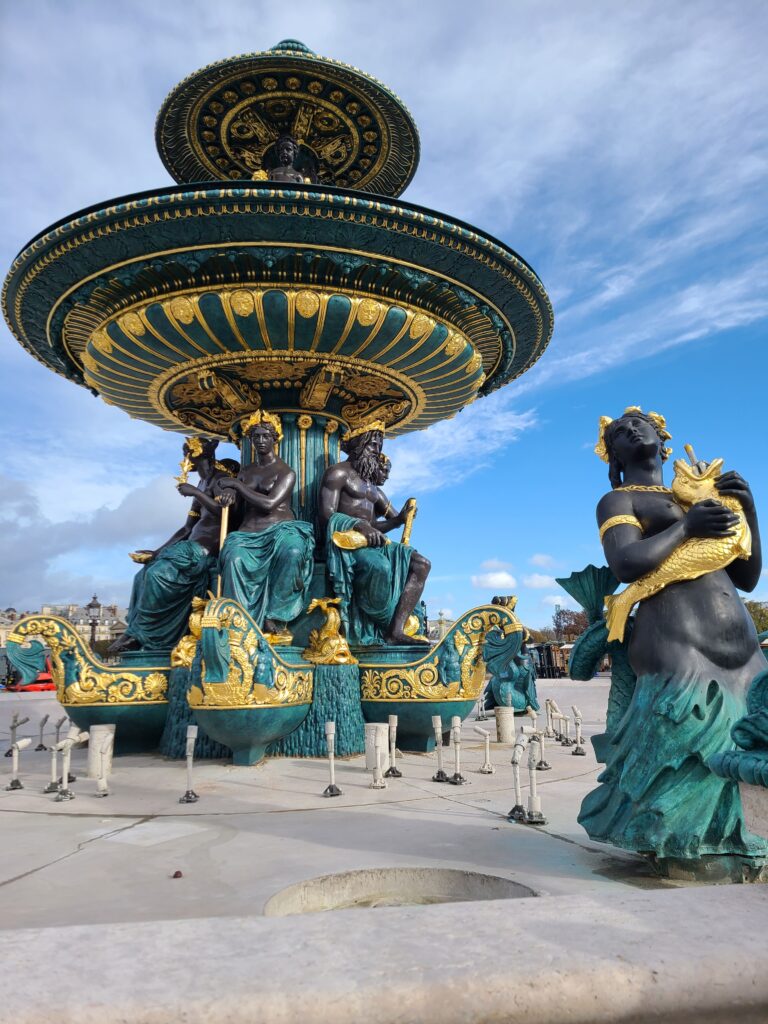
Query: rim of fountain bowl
<point>89,218</point>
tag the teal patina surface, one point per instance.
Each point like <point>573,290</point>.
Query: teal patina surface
<point>268,572</point>
<point>369,581</point>
<point>513,676</point>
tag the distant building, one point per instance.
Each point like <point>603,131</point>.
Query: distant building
<point>109,619</point>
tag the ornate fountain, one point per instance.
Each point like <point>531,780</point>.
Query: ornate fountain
<point>282,282</point>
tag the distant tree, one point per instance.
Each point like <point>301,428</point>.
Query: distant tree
<point>568,625</point>
<point>759,612</point>
<point>540,636</point>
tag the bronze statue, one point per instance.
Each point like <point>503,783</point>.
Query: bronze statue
<point>282,167</point>
<point>380,582</point>
<point>183,567</point>
<point>266,564</point>
<point>682,550</point>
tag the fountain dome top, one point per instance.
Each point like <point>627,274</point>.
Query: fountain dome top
<point>223,121</point>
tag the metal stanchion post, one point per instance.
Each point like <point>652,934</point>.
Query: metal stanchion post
<point>486,768</point>
<point>392,772</point>
<point>330,741</point>
<point>378,778</point>
<point>534,816</point>
<point>40,744</point>
<point>518,811</point>
<point>190,796</point>
<point>53,785</point>
<point>15,750</point>
<point>16,723</point>
<point>58,727</point>
<point>457,779</point>
<point>437,725</point>
<point>578,750</point>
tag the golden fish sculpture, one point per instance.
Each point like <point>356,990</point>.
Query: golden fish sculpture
<point>694,557</point>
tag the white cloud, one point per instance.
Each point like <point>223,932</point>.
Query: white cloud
<point>538,581</point>
<point>543,561</point>
<point>449,452</point>
<point>494,580</point>
<point>495,563</point>
<point>564,600</point>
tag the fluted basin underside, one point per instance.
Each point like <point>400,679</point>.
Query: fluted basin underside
<point>187,308</point>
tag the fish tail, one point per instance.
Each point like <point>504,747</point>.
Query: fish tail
<point>618,607</point>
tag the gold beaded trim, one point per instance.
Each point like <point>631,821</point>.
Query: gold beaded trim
<point>619,521</point>
<point>644,487</point>
<point>193,514</point>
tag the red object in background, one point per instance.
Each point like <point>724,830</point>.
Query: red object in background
<point>44,681</point>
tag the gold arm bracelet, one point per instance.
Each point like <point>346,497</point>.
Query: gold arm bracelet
<point>195,515</point>
<point>619,521</point>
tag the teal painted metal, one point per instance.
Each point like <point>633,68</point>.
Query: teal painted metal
<point>173,742</point>
<point>144,243</point>
<point>657,794</point>
<point>749,763</point>
<point>248,732</point>
<point>590,588</point>
<point>335,698</point>
<point>415,732</point>
<point>162,593</point>
<point>29,661</point>
<point>513,677</point>
<point>137,728</point>
<point>369,581</point>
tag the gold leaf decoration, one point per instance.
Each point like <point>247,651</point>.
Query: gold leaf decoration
<point>368,312</point>
<point>242,303</point>
<point>307,304</point>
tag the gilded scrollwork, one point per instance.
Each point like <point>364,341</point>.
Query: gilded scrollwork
<point>239,669</point>
<point>79,676</point>
<point>453,670</point>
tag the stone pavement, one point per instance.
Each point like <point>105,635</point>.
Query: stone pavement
<point>95,928</point>
<point>256,830</point>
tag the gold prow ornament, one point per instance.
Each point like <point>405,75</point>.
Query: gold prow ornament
<point>327,645</point>
<point>694,557</point>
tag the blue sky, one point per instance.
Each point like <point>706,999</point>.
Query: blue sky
<point>620,148</point>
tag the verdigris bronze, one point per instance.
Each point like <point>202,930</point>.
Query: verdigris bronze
<point>693,648</point>
<point>266,563</point>
<point>379,582</point>
<point>185,565</point>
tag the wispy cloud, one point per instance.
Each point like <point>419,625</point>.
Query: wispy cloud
<point>494,580</point>
<point>543,561</point>
<point>538,581</point>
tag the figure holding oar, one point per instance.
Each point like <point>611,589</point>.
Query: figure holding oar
<point>182,568</point>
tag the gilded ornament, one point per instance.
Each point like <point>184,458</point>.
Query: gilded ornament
<point>307,304</point>
<point>474,363</point>
<point>315,88</point>
<point>292,82</point>
<point>696,556</point>
<point>336,96</point>
<point>79,676</point>
<point>454,344</point>
<point>327,645</point>
<point>181,308</point>
<point>242,303</point>
<point>619,521</point>
<point>304,422</point>
<point>101,342</point>
<point>89,362</point>
<point>368,312</point>
<point>421,326</point>
<point>133,323</point>
<point>259,417</point>
<point>364,428</point>
<point>656,418</point>
<point>331,426</point>
<point>453,670</point>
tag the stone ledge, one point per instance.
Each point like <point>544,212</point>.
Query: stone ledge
<point>686,955</point>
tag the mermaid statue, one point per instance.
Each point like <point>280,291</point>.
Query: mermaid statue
<point>266,563</point>
<point>184,567</point>
<point>682,551</point>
